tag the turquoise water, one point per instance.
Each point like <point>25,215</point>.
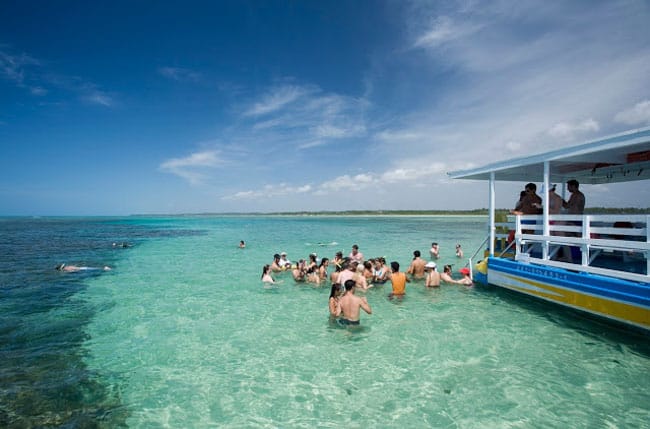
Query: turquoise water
<point>182,334</point>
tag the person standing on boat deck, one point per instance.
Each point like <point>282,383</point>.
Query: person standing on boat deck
<point>355,255</point>
<point>416,269</point>
<point>554,201</point>
<point>432,278</point>
<point>530,204</point>
<point>519,203</point>
<point>554,207</point>
<point>351,305</point>
<point>398,281</point>
<point>576,203</point>
<point>434,251</point>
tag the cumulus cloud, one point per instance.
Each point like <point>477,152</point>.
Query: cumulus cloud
<point>637,115</point>
<point>269,191</point>
<point>348,183</point>
<point>192,166</point>
<point>567,130</point>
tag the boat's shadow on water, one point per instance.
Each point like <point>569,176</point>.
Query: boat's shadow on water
<point>593,328</point>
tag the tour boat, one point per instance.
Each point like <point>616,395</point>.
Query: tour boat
<point>595,263</point>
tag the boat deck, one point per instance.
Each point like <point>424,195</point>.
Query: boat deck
<point>611,245</point>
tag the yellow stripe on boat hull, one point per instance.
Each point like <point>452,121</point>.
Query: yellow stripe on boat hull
<point>629,313</point>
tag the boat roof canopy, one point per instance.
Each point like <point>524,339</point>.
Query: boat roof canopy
<point>620,158</point>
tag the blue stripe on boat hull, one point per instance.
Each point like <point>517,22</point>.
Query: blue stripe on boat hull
<point>617,299</point>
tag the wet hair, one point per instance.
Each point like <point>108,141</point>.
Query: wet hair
<point>323,261</point>
<point>394,266</point>
<point>336,287</point>
<point>265,268</point>
<point>276,256</point>
<point>59,267</point>
<point>417,253</point>
<point>447,268</point>
<point>349,284</point>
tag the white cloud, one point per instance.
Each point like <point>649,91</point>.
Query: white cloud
<point>31,74</point>
<point>567,130</point>
<point>304,117</point>
<point>443,30</point>
<point>638,114</point>
<point>276,99</point>
<point>13,67</point>
<point>99,98</point>
<point>179,74</point>
<point>330,131</point>
<point>397,136</point>
<point>350,183</point>
<point>190,167</point>
<point>269,191</point>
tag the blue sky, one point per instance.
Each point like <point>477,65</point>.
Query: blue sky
<point>112,108</point>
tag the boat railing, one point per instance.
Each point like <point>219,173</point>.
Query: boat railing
<point>470,265</point>
<point>611,245</point>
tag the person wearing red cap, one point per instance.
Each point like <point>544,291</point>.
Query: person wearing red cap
<point>467,279</point>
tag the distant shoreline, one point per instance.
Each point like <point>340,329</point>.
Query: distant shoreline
<point>345,213</point>
<point>352,213</point>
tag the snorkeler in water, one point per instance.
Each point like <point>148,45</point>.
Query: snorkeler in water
<point>75,268</point>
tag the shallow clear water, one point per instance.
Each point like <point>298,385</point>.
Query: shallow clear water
<point>182,334</point>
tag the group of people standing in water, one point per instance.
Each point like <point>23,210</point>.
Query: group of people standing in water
<point>354,273</point>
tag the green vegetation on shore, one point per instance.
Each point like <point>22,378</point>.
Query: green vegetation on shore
<point>473,212</point>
